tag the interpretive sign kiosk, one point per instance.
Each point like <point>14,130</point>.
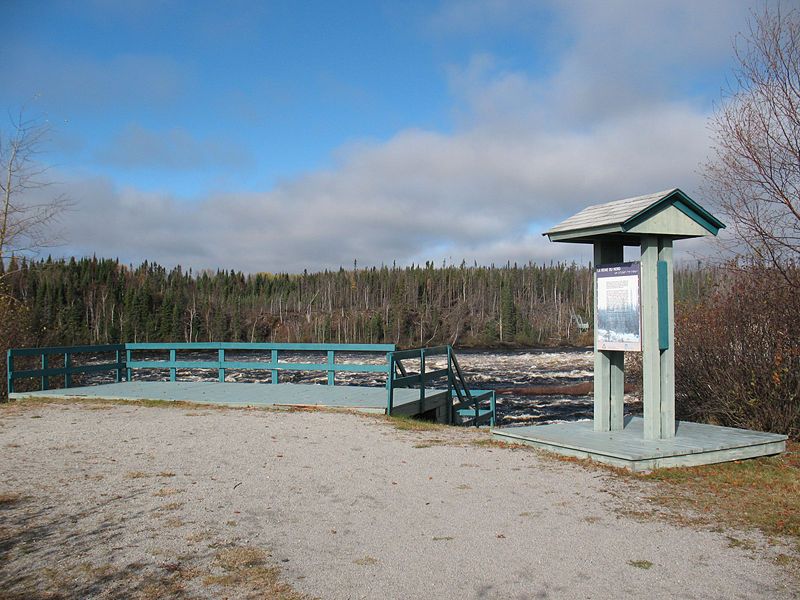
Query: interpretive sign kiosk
<point>634,301</point>
<point>634,313</point>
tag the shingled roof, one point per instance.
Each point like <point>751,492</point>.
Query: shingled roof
<point>669,212</point>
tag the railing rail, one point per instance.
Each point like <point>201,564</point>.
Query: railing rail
<point>462,401</point>
<point>47,370</point>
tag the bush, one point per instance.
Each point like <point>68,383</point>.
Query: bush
<point>737,355</point>
<point>14,333</point>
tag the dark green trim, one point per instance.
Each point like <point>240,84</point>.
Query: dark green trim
<point>663,305</point>
<point>684,204</point>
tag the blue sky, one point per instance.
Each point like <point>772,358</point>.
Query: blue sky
<point>278,136</point>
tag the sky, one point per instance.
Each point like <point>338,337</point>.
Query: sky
<point>283,136</point>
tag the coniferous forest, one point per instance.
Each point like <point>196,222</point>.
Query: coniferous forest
<point>96,301</point>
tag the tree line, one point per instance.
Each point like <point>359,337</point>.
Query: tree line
<point>97,301</point>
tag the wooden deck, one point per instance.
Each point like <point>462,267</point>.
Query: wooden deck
<point>693,444</point>
<point>358,398</point>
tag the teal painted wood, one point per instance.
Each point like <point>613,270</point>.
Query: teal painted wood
<point>260,346</point>
<point>128,370</point>
<point>331,371</point>
<point>59,371</point>
<point>415,353</point>
<point>663,305</point>
<point>390,383</point>
<point>62,349</point>
<point>173,369</point>
<point>667,358</point>
<point>274,374</point>
<point>45,372</point>
<point>608,367</point>
<point>221,359</point>
<point>651,369</point>
<point>9,371</point>
<point>693,444</point>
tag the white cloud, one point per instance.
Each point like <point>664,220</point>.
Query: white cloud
<point>529,151</point>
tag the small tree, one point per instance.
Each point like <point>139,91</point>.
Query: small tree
<point>755,172</point>
<point>24,221</point>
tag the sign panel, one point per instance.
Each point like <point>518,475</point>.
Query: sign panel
<point>618,324</point>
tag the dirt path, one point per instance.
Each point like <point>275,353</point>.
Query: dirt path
<point>131,501</point>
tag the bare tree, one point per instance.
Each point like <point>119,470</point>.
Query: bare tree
<point>25,219</point>
<point>755,171</point>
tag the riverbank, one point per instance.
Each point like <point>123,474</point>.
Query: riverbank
<point>185,502</point>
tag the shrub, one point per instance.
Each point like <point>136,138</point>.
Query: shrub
<point>737,355</point>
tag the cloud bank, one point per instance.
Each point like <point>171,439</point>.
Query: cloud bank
<point>608,120</point>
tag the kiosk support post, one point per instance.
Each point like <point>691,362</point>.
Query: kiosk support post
<point>609,365</point>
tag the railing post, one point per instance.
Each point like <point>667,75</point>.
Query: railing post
<point>9,371</point>
<point>274,364</point>
<point>390,383</point>
<point>331,371</point>
<point>172,370</point>
<point>128,360</point>
<point>45,377</point>
<point>118,376</point>
<point>422,374</point>
<point>450,385</point>
<point>493,407</point>
<point>221,359</point>
<point>67,366</point>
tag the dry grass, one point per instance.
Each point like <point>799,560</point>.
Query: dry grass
<point>763,493</point>
<point>163,492</point>
<point>9,499</point>
<point>247,568</point>
<point>409,424</point>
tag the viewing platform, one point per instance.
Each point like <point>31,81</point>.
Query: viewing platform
<point>423,382</point>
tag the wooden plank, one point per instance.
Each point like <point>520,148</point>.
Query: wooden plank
<point>419,406</point>
<point>616,390</point>
<point>63,349</point>
<point>667,337</point>
<point>651,369</point>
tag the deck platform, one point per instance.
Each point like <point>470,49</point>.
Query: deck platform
<point>358,398</point>
<point>694,443</point>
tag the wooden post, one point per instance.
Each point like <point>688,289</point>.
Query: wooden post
<point>651,356</point>
<point>609,366</point>
<point>331,371</point>
<point>667,359</point>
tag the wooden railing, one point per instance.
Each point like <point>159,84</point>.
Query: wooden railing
<point>127,362</point>
<point>274,365</point>
<point>465,406</point>
<point>67,367</point>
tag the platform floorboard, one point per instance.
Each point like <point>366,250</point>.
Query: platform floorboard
<point>693,444</point>
<point>360,398</point>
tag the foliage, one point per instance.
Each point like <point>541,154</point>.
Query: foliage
<point>14,331</point>
<point>102,301</point>
<point>738,355</point>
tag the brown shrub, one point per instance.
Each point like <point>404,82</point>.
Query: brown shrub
<point>737,355</point>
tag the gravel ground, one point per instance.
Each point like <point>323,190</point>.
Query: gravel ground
<point>126,501</point>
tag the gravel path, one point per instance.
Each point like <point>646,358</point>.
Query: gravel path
<point>132,501</point>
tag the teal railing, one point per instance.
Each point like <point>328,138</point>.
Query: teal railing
<point>274,365</point>
<point>59,362</point>
<point>466,406</point>
<point>127,362</point>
